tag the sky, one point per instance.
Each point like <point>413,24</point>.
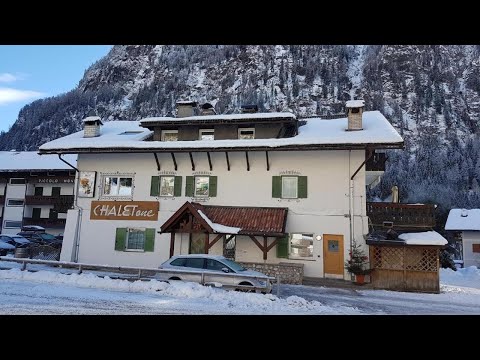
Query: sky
<point>31,72</point>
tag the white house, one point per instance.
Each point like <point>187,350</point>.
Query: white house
<point>468,222</point>
<point>34,190</point>
<point>260,188</point>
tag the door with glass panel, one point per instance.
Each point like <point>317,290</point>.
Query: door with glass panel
<point>333,262</point>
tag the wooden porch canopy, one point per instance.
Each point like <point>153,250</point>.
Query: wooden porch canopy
<point>227,220</point>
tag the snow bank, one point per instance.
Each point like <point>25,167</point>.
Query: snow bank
<point>423,238</point>
<point>228,300</point>
<point>219,228</point>
<point>467,277</point>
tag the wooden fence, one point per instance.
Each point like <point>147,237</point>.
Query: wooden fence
<point>405,268</point>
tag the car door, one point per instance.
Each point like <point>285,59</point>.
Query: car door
<point>195,267</point>
<point>214,273</point>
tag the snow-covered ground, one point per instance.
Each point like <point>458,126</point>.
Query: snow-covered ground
<point>61,291</point>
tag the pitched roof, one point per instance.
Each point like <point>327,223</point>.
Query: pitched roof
<point>264,221</point>
<point>316,134</point>
<point>11,161</point>
<point>469,221</point>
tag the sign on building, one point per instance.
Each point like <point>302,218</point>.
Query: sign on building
<point>124,210</point>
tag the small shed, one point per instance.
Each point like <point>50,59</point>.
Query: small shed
<point>409,262</point>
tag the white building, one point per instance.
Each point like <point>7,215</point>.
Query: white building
<point>468,223</point>
<point>258,187</point>
<point>34,190</point>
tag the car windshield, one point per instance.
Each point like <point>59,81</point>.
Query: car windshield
<point>235,266</point>
<point>47,237</point>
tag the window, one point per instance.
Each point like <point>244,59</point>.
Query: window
<point>179,262</point>
<point>215,265</point>
<point>201,186</point>
<point>476,248</point>
<point>17,181</point>
<point>36,213</point>
<point>166,186</point>
<point>301,245</point>
<point>12,224</point>
<point>247,133</point>
<point>206,134</point>
<point>39,191</point>
<point>289,187</point>
<point>56,191</point>
<point>134,239</point>
<point>52,214</point>
<point>169,135</point>
<point>15,202</point>
<point>196,263</point>
<point>117,185</point>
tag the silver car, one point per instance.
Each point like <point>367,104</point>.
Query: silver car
<point>214,270</point>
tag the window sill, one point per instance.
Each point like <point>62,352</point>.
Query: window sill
<point>134,250</point>
<point>302,258</point>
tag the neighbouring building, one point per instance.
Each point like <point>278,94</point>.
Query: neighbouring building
<point>34,190</point>
<point>466,227</point>
<point>281,195</point>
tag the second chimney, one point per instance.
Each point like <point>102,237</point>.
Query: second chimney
<point>186,108</point>
<point>91,126</point>
<point>354,114</point>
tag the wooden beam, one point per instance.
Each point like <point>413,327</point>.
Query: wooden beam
<point>209,160</point>
<point>248,162</point>
<point>228,161</point>
<point>218,237</point>
<point>268,162</point>
<point>172,243</point>
<point>256,242</point>
<point>264,248</point>
<point>207,235</point>
<point>174,161</point>
<point>156,159</point>
<point>229,238</point>
<point>191,160</point>
<point>272,244</point>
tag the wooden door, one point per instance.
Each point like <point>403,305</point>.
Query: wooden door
<point>333,262</point>
<point>197,243</point>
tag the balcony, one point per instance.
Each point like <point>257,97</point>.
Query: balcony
<point>66,200</point>
<point>376,162</point>
<point>401,216</point>
<point>46,223</point>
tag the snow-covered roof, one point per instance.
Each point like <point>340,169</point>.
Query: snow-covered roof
<point>355,103</point>
<point>92,118</point>
<point>221,117</point>
<point>423,238</point>
<point>219,228</point>
<point>456,221</point>
<point>324,133</point>
<point>30,160</point>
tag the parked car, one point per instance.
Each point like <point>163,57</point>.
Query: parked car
<point>16,240</point>
<point>216,269</point>
<point>5,247</point>
<point>41,238</point>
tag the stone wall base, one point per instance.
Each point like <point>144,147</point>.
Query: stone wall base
<point>289,273</point>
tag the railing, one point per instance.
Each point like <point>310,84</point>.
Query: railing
<point>50,223</point>
<point>376,162</point>
<point>141,273</point>
<point>398,215</point>
<point>48,200</point>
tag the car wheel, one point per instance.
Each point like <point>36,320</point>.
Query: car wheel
<point>243,289</point>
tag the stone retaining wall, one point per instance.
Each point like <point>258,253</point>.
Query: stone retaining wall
<point>289,273</point>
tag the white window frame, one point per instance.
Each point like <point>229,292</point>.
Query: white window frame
<point>12,227</point>
<point>169,132</point>
<point>293,256</point>
<point>22,200</point>
<point>195,186</point>
<point>240,130</point>
<point>144,238</point>
<point>117,175</point>
<point>201,131</point>
<point>160,186</point>
<point>296,187</point>
<point>10,181</point>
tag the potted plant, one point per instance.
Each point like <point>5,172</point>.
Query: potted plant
<point>358,263</point>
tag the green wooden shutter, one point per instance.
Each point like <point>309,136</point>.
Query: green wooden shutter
<point>212,190</point>
<point>149,239</point>
<point>189,186</point>
<point>155,186</point>
<point>120,238</point>
<point>302,187</point>
<point>282,247</point>
<point>276,186</point>
<point>177,190</point>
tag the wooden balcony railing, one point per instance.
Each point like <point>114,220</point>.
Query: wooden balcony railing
<point>376,162</point>
<point>398,215</point>
<point>48,200</point>
<point>47,223</point>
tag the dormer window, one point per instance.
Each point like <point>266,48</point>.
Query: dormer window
<point>169,135</point>
<point>206,134</point>
<point>246,133</point>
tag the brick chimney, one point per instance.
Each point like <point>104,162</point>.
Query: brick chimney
<point>91,126</point>
<point>186,108</point>
<point>354,114</point>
